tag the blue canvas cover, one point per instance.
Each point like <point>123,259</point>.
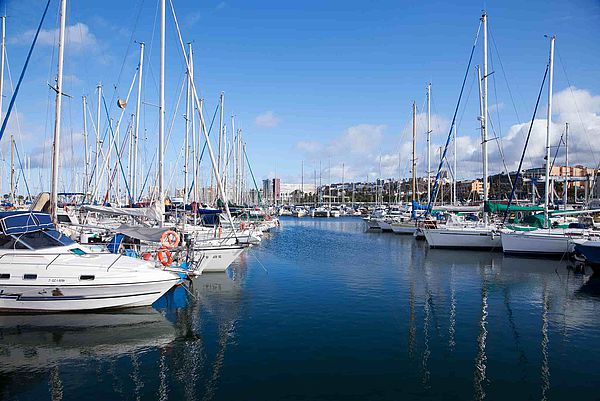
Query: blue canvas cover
<point>24,222</point>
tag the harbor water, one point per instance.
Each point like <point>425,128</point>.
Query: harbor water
<point>322,310</point>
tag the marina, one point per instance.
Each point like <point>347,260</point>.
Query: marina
<point>409,321</point>
<point>232,201</point>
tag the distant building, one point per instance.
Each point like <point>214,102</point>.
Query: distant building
<point>267,191</point>
<point>276,190</point>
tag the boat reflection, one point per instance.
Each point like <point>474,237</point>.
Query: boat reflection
<point>31,342</point>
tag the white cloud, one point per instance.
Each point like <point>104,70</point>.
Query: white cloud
<point>268,119</point>
<point>579,107</point>
<point>77,36</point>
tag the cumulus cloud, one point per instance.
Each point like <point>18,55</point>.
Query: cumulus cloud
<point>578,107</point>
<point>77,36</point>
<point>268,119</point>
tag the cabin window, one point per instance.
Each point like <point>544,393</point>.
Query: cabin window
<point>29,276</point>
<point>63,218</point>
<point>87,277</point>
<point>4,276</point>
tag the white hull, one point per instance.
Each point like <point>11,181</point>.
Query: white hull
<point>216,259</point>
<point>62,298</point>
<point>404,228</point>
<point>385,226</point>
<point>542,242</point>
<point>463,238</point>
<point>372,224</point>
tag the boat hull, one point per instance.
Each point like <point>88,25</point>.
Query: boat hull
<point>70,298</point>
<point>539,243</point>
<point>463,238</point>
<point>216,259</point>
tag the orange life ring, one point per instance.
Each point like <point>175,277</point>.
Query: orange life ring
<point>164,256</point>
<point>146,255</point>
<point>242,226</point>
<point>220,231</point>
<point>169,239</point>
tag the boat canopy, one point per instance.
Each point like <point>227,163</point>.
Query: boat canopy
<point>146,234</point>
<point>21,222</point>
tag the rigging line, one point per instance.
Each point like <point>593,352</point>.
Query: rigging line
<point>514,187</point>
<point>252,174</point>
<point>16,91</point>
<point>113,171</point>
<point>560,141</point>
<point>116,149</point>
<point>501,151</point>
<point>199,158</point>
<point>587,137</point>
<point>175,110</point>
<point>437,176</point>
<point>23,172</point>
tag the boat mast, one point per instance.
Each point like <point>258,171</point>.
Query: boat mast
<point>302,184</point>
<point>12,169</point>
<point>85,145</point>
<point>97,173</point>
<point>57,120</point>
<point>566,192</point>
<point>484,117</point>
<point>548,130</point>
<point>188,98</point>
<point>136,135</point>
<point>220,145</point>
<point>429,142</point>
<point>414,152</point>
<point>2,51</point>
<point>161,114</point>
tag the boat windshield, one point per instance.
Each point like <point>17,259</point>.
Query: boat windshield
<point>42,240</point>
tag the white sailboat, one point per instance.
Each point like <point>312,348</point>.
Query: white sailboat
<point>466,235</point>
<point>552,242</point>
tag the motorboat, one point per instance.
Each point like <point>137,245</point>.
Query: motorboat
<point>42,270</point>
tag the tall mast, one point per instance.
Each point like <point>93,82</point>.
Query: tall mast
<point>2,52</point>
<point>429,142</point>
<point>136,132</point>
<point>329,173</point>
<point>85,145</point>
<point>235,160</point>
<point>56,142</point>
<point>548,130</point>
<point>343,168</point>
<point>12,169</point>
<point>484,116</point>
<point>566,197</point>
<point>302,184</point>
<point>193,130</point>
<point>220,144</point>
<point>414,151</point>
<point>161,114</point>
<point>188,112</point>
<point>97,162</point>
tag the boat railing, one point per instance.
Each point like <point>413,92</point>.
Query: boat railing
<point>56,256</point>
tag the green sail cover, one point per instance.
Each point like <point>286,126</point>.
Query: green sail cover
<point>494,207</point>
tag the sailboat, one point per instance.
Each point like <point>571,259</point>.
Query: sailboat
<point>460,234</point>
<point>547,241</point>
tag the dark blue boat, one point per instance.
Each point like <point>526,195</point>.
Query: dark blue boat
<point>591,252</point>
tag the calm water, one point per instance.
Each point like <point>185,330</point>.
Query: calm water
<point>322,310</point>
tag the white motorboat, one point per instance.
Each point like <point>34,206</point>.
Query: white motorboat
<point>320,212</point>
<point>42,270</point>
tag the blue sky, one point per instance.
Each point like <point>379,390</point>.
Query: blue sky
<point>316,81</point>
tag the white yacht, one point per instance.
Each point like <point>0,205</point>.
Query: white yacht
<point>42,270</point>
